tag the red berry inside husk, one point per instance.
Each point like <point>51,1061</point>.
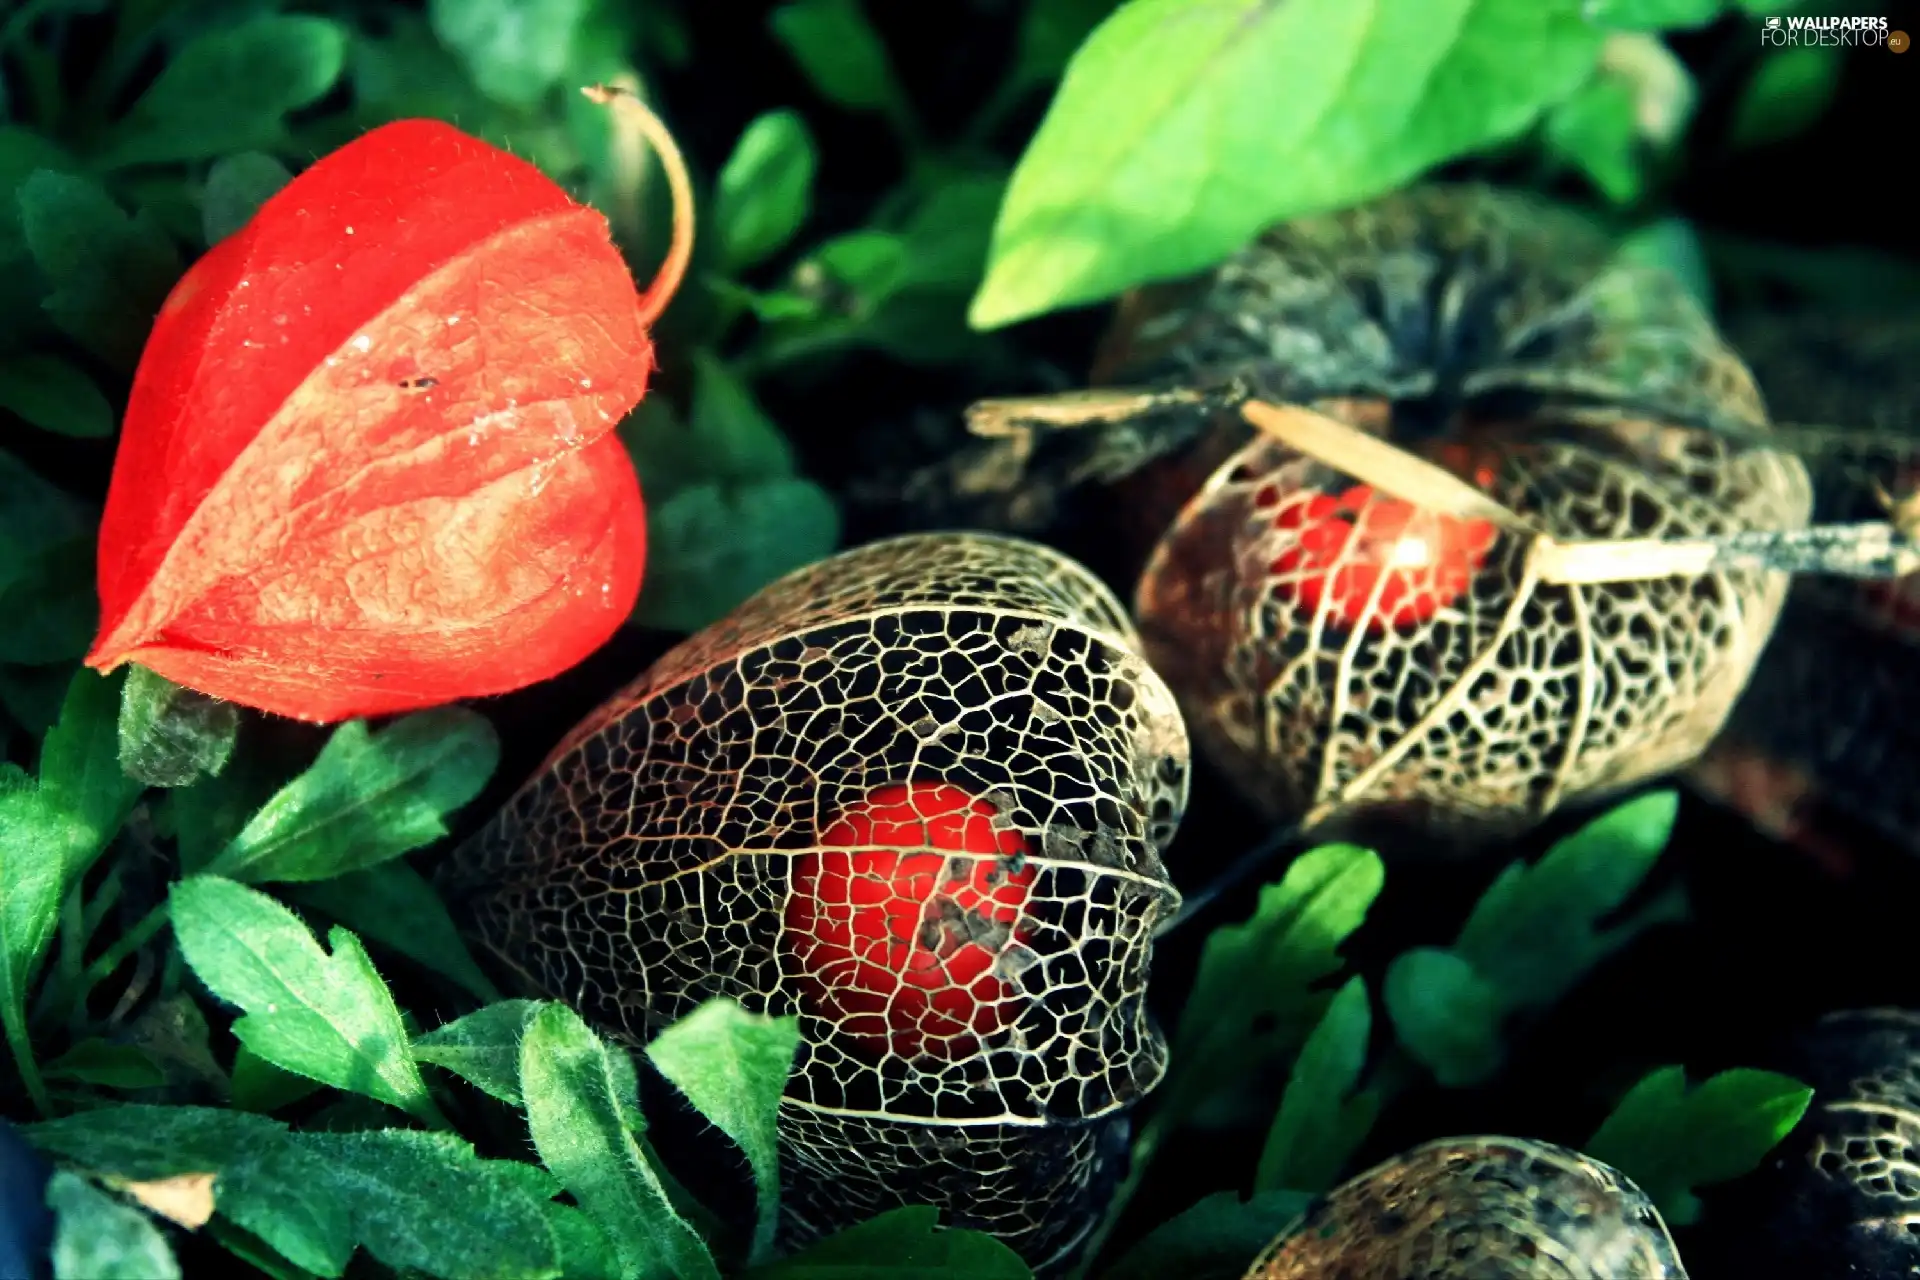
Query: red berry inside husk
<point>898,948</point>
<point>1344,546</point>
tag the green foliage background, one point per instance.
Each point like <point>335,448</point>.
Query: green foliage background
<point>233,964</point>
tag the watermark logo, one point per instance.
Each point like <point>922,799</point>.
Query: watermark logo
<point>1858,32</point>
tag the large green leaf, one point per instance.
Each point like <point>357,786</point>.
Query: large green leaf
<point>1184,127</point>
<point>325,1016</point>
<point>732,1066</point>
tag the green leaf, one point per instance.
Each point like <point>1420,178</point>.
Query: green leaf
<point>413,1199</point>
<point>260,1086</point>
<point>516,50</point>
<point>230,89</point>
<point>1050,31</point>
<point>107,272</point>
<point>101,1237</point>
<point>711,546</point>
<point>732,1066</point>
<point>1672,245</point>
<point>582,1133</point>
<point>1256,996</point>
<point>53,395</point>
<point>1184,127</point>
<point>1535,932</point>
<point>95,1061</point>
<point>1536,929</point>
<point>369,798</point>
<point>482,1048</point>
<point>1447,1015</point>
<point>737,441</point>
<point>1670,1139</point>
<point>584,1250</point>
<point>325,1016</point>
<point>908,1244</point>
<point>426,1201</point>
<point>1595,131</point>
<point>22,152</point>
<point>841,53</point>
<point>1789,91</point>
<point>236,187</point>
<point>80,767</point>
<point>169,735</point>
<point>1213,1240</point>
<point>1654,15</point>
<point>395,906</point>
<point>1321,1120</point>
<point>765,189</point>
<point>47,606</point>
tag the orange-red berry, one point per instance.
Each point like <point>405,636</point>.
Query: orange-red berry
<point>896,922</point>
<point>1344,547</point>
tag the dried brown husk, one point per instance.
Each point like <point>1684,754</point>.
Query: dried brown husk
<point>646,867</point>
<point>1484,1208</point>
<point>1591,398</point>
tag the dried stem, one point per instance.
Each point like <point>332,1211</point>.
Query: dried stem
<point>666,282</point>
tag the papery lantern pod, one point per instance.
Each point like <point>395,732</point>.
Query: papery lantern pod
<point>1498,337</point>
<point>1841,1198</point>
<point>729,825</point>
<point>1478,1209</point>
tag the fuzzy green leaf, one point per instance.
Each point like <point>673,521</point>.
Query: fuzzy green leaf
<point>101,1237</point>
<point>395,906</point>
<point>1669,1138</point>
<point>325,1016</point>
<point>901,1244</point>
<point>107,272</point>
<point>1256,996</point>
<point>1672,245</point>
<point>1535,932</point>
<point>260,1086</point>
<point>482,1048</point>
<point>711,546</point>
<point>584,1135</point>
<point>1447,1016</point>
<point>412,1199</point>
<point>841,53</point>
<point>732,1066</point>
<point>230,89</point>
<point>1213,1240</point>
<point>94,1061</point>
<point>171,736</point>
<point>55,396</point>
<point>765,189</point>
<point>369,798</point>
<point>237,186</point>
<point>1184,127</point>
<point>1322,1120</point>
<point>516,50</point>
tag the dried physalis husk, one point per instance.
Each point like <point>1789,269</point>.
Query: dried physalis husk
<point>1478,1209</point>
<point>917,795</point>
<point>1342,650</point>
<point>1825,743</point>
<point>1842,1197</point>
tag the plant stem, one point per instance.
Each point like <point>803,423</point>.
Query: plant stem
<point>125,945</point>
<point>22,1046</point>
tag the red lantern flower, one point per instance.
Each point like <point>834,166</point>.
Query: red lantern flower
<point>369,463</point>
<point>900,948</point>
<point>1345,546</point>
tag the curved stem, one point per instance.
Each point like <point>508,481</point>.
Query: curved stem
<point>666,281</point>
<point>123,946</point>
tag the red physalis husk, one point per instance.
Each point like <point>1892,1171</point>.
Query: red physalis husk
<point>369,461</point>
